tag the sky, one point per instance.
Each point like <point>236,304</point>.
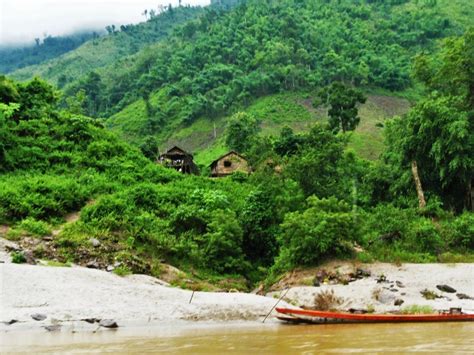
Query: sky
<point>21,21</point>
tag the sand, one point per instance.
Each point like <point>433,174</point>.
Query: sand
<point>68,296</point>
<point>412,278</point>
<point>72,298</point>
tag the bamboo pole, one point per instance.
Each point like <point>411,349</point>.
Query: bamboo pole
<point>276,304</point>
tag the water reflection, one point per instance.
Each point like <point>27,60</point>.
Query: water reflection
<point>443,338</point>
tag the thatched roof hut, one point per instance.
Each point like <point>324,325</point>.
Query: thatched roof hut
<point>180,160</point>
<point>228,164</point>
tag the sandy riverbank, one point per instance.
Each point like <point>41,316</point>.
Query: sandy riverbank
<point>76,298</point>
<point>70,296</point>
<point>403,283</point>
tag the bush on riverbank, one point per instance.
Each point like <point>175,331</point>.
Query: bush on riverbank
<point>327,227</point>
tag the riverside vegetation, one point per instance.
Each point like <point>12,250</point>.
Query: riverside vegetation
<point>310,198</point>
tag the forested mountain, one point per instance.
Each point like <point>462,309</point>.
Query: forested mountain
<point>13,58</point>
<point>307,199</point>
<point>224,60</point>
<point>100,52</point>
<point>220,61</point>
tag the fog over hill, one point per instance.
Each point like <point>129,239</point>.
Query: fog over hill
<point>23,21</point>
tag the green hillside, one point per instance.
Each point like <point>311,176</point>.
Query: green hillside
<point>103,51</point>
<point>16,57</point>
<point>308,197</point>
<point>205,137</point>
<point>217,65</point>
<point>181,87</point>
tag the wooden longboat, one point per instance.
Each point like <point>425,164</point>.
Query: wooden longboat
<point>324,317</point>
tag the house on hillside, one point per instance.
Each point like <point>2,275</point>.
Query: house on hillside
<point>180,160</point>
<point>228,164</point>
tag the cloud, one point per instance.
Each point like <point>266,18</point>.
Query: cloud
<point>23,20</point>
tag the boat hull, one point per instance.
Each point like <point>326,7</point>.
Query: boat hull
<point>322,317</point>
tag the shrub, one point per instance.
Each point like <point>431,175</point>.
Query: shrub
<point>322,230</point>
<point>14,234</point>
<point>34,227</point>
<point>450,257</point>
<point>424,237</point>
<point>18,257</point>
<point>122,271</point>
<point>416,309</point>
<point>147,229</point>
<point>260,219</point>
<point>40,196</point>
<point>109,212</point>
<point>327,300</point>
<point>223,244</point>
<point>394,234</point>
<point>429,295</point>
<point>365,257</point>
<point>386,224</point>
<point>144,196</point>
<point>460,231</point>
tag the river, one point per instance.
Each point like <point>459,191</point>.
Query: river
<point>441,338</point>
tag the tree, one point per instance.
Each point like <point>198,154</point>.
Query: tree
<point>8,91</point>
<point>288,142</point>
<point>242,129</point>
<point>451,70</point>
<point>342,101</point>
<point>319,165</point>
<point>150,148</point>
<point>37,100</point>
<point>93,88</point>
<point>222,243</point>
<point>6,136</point>
<point>75,103</point>
<point>260,220</point>
<point>438,133</point>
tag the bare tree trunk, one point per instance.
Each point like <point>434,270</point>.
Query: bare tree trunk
<point>419,189</point>
<point>470,196</point>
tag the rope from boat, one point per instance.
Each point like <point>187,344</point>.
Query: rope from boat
<point>276,304</point>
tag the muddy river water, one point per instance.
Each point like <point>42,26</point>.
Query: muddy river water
<point>440,338</point>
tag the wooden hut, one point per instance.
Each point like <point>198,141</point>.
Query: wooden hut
<point>180,160</point>
<point>228,164</point>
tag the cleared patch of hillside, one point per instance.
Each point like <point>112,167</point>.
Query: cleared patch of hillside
<point>205,138</point>
<point>367,140</point>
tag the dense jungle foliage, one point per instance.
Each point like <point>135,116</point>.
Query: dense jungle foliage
<point>224,59</point>
<point>309,197</point>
